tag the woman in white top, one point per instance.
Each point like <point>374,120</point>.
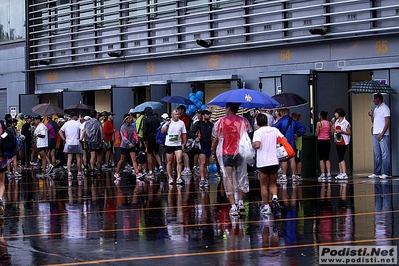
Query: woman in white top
<point>342,136</point>
<point>267,163</point>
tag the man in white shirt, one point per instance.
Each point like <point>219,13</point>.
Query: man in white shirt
<point>174,143</point>
<point>41,134</point>
<point>70,133</point>
<point>381,119</point>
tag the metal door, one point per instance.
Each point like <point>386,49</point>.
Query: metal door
<point>299,84</point>
<point>158,91</point>
<point>27,101</point>
<point>331,92</point>
<point>71,97</point>
<point>182,89</point>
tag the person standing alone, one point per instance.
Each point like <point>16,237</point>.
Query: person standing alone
<point>381,119</point>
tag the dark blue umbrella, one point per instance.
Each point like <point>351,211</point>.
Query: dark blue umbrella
<point>177,99</point>
<point>154,105</point>
<point>245,98</point>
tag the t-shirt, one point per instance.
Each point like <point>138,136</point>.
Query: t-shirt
<point>176,128</point>
<point>228,131</point>
<point>341,139</point>
<point>380,112</point>
<point>109,130</point>
<point>72,132</point>
<point>41,129</point>
<point>266,154</point>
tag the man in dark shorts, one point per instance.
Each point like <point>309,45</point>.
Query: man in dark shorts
<point>203,131</point>
<point>52,127</point>
<point>228,131</point>
<point>93,133</point>
<point>175,140</point>
<point>151,124</point>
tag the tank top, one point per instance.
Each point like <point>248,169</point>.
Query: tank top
<point>324,131</point>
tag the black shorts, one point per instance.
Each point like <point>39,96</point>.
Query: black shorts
<point>127,152</point>
<point>42,149</point>
<point>2,170</point>
<point>51,143</point>
<point>172,149</point>
<point>94,146</point>
<point>152,146</point>
<point>206,151</point>
<point>269,170</point>
<point>298,156</point>
<point>109,145</point>
<point>232,160</point>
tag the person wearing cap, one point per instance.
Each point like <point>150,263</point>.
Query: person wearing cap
<point>70,133</point>
<point>151,123</point>
<point>109,131</point>
<point>202,133</point>
<point>41,134</point>
<point>175,140</point>
<point>187,122</point>
<point>129,140</point>
<point>93,132</point>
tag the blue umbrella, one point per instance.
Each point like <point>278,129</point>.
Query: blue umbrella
<point>246,98</point>
<point>154,105</point>
<point>177,99</point>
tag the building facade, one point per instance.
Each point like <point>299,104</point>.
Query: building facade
<point>12,55</point>
<point>115,54</point>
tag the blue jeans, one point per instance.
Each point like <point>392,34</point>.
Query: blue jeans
<point>382,158</point>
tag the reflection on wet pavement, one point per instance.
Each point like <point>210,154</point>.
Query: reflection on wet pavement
<point>153,223</point>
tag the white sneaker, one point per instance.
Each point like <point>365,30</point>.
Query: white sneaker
<point>179,181</point>
<point>342,176</point>
<point>186,172</point>
<point>171,181</point>
<point>322,177</point>
<point>282,178</point>
<point>384,176</point>
<point>265,210</point>
<point>294,177</point>
<point>329,176</point>
<point>373,176</point>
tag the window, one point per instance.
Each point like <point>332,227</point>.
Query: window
<point>12,20</point>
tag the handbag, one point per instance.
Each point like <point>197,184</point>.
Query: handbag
<point>284,150</point>
<point>245,149</point>
<point>117,140</point>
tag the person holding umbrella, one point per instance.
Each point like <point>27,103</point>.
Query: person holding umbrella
<point>381,119</point>
<point>228,131</point>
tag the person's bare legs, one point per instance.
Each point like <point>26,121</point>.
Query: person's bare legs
<point>169,164</point>
<point>134,162</point>
<point>322,167</point>
<point>264,187</point>
<point>179,161</point>
<point>229,184</point>
<point>203,165</point>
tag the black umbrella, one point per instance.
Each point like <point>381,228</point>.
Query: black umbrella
<point>287,100</point>
<point>80,108</point>
<point>372,86</point>
<point>46,109</point>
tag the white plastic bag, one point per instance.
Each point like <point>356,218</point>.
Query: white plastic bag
<point>245,149</point>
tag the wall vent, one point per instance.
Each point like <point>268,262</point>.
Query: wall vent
<point>318,65</point>
<point>341,64</point>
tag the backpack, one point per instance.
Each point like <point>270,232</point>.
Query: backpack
<point>159,136</point>
<point>8,142</point>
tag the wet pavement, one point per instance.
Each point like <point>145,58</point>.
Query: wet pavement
<point>152,223</point>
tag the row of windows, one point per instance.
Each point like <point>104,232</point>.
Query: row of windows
<point>12,18</point>
<point>65,31</point>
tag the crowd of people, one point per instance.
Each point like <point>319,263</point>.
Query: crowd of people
<point>188,146</point>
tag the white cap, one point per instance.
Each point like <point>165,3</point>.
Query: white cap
<point>131,111</point>
<point>61,119</point>
<point>165,116</point>
<point>86,117</point>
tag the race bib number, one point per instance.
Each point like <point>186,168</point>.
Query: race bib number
<point>173,137</point>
